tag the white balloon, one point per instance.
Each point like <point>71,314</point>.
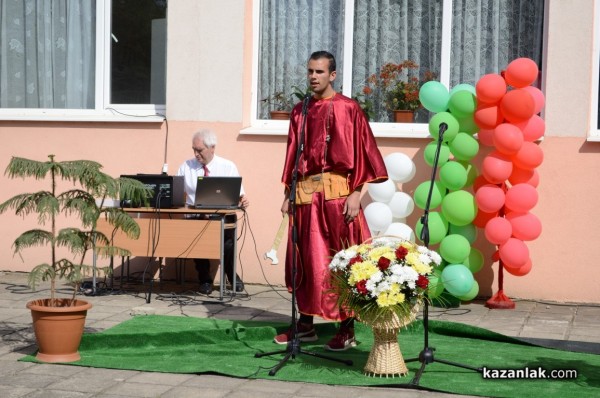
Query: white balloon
<point>402,205</point>
<point>382,191</point>
<point>379,216</point>
<point>400,230</point>
<point>400,167</point>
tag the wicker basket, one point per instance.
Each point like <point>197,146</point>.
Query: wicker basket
<point>385,358</point>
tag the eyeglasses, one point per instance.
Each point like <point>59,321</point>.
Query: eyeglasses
<point>199,150</point>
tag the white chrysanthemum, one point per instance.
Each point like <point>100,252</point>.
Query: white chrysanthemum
<point>376,277</point>
<point>435,257</point>
<point>341,259</point>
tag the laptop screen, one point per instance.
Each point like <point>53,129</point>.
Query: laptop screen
<point>218,192</point>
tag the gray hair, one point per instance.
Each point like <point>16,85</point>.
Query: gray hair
<point>208,137</point>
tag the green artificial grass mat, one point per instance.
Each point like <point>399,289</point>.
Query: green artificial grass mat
<point>175,344</point>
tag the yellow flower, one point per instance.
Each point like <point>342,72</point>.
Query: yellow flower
<point>382,251</point>
<point>361,271</point>
<point>413,259</point>
<point>390,298</point>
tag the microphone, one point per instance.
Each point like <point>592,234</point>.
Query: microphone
<point>443,128</point>
<point>305,105</point>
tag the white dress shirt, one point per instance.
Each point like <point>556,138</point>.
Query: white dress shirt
<point>192,169</point>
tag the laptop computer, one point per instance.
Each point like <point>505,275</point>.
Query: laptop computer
<point>218,192</point>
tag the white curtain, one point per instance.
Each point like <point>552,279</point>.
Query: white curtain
<point>47,53</point>
<point>290,31</point>
<point>486,36</point>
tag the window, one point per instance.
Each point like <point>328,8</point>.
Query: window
<point>457,41</point>
<point>81,57</point>
<point>594,134</point>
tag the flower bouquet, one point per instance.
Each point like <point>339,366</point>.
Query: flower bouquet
<point>383,282</point>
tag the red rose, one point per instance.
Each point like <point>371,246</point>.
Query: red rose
<point>423,282</point>
<point>401,252</point>
<point>361,286</point>
<point>383,263</point>
<point>354,260</point>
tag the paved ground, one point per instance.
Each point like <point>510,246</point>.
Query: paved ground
<point>553,323</point>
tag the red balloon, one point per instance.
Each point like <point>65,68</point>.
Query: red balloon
<point>529,156</point>
<point>517,105</point>
<point>514,253</point>
<point>521,198</point>
<point>521,72</point>
<point>538,98</point>
<point>525,226</point>
<point>488,116</point>
<point>489,198</point>
<point>533,128</point>
<point>486,137</point>
<point>507,138</point>
<point>482,218</point>
<point>496,167</point>
<point>479,182</point>
<point>522,270</point>
<point>523,176</point>
<point>490,88</point>
<point>498,230</point>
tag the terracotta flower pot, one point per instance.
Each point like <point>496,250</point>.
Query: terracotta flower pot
<point>402,116</point>
<point>58,330</point>
<point>280,115</point>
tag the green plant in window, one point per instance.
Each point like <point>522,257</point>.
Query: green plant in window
<point>397,86</point>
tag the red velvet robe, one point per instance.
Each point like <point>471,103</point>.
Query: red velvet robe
<point>321,228</point>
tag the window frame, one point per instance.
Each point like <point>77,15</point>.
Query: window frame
<point>103,110</point>
<point>594,130</point>
<point>391,130</point>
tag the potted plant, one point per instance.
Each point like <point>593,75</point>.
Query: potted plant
<point>85,201</point>
<point>397,87</point>
<point>281,103</point>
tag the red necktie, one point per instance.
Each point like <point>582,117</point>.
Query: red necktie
<point>206,173</point>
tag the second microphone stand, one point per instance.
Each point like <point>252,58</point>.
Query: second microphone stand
<point>293,346</point>
<point>426,356</point>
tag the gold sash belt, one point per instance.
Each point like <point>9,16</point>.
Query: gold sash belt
<point>334,185</point>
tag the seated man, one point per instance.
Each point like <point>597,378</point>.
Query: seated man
<point>206,163</point>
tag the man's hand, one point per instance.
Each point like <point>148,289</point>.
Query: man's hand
<point>244,202</point>
<point>285,206</point>
<point>352,206</point>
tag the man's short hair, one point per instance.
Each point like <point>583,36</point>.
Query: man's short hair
<point>208,137</point>
<point>325,54</point>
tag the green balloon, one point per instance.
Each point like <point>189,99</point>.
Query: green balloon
<point>469,231</point>
<point>472,293</point>
<point>463,87</point>
<point>455,248</point>
<point>436,122</point>
<point>434,96</point>
<point>464,146</point>
<point>462,103</point>
<point>435,287</point>
<point>429,153</point>
<point>475,260</point>
<point>468,125</point>
<point>457,279</point>
<point>438,227</point>
<point>437,194</point>
<point>453,175</point>
<point>459,207</point>
<point>472,172</point>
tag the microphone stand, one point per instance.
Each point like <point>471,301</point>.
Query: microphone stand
<point>426,356</point>
<point>293,346</point>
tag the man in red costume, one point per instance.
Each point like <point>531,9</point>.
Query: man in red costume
<point>339,155</point>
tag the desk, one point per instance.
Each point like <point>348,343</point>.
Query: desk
<point>168,234</point>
